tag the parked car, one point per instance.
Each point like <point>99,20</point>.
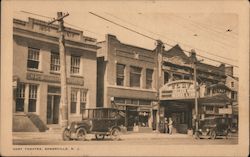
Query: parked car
<point>99,121</point>
<point>212,127</point>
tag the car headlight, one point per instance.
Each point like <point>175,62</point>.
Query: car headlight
<point>68,127</point>
<point>200,130</point>
<point>75,126</point>
<point>207,130</point>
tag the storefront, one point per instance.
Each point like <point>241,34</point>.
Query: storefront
<point>177,102</point>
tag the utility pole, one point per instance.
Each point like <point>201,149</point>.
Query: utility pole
<point>63,116</point>
<point>194,63</point>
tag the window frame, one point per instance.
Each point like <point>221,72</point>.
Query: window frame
<point>33,92</point>
<point>33,58</point>
<point>75,65</point>
<point>134,73</point>
<point>55,62</point>
<point>120,76</point>
<point>149,79</point>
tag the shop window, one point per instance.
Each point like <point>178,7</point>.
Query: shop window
<point>83,100</point>
<point>75,65</point>
<point>135,76</point>
<point>55,62</point>
<point>120,74</point>
<point>32,98</point>
<point>20,96</point>
<point>73,101</point>
<point>149,78</point>
<point>33,58</point>
<point>187,77</point>
<point>135,102</point>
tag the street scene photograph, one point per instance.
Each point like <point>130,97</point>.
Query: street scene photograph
<point>124,75</point>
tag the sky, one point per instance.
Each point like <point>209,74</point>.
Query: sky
<point>212,31</point>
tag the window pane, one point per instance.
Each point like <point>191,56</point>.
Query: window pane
<point>75,64</point>
<point>120,74</point>
<point>135,77</point>
<point>33,58</point>
<point>19,105</point>
<point>32,105</point>
<point>73,107</point>
<point>82,106</point>
<point>149,79</point>
<point>55,62</point>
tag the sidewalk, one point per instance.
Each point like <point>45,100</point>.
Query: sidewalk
<point>125,136</point>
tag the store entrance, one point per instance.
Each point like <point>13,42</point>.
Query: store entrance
<point>53,103</point>
<point>53,109</point>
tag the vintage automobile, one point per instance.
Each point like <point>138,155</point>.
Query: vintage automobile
<point>99,121</point>
<point>212,127</point>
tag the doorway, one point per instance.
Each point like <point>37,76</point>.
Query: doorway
<point>53,109</point>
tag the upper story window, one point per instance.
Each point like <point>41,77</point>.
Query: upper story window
<point>120,74</point>
<point>33,58</point>
<point>166,77</point>
<point>177,77</point>
<point>232,84</point>
<point>55,62</point>
<point>135,76</point>
<point>75,65</point>
<point>149,78</point>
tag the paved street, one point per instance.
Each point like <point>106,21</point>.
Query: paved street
<point>128,138</point>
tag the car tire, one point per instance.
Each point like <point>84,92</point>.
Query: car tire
<point>81,134</point>
<point>66,135</point>
<point>213,135</point>
<point>99,137</point>
<point>115,134</point>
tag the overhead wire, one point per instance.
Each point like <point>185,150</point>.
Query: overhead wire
<point>171,39</point>
<point>149,37</point>
<point>152,37</point>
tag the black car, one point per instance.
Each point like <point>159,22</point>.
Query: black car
<point>212,127</point>
<point>99,121</point>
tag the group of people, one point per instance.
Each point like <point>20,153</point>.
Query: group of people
<point>168,125</point>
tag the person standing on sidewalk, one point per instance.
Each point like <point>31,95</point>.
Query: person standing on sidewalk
<point>166,125</point>
<point>170,125</point>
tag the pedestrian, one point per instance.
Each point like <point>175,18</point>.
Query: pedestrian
<point>170,126</point>
<point>166,125</point>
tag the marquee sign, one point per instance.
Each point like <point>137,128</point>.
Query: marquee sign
<point>53,79</point>
<point>181,89</point>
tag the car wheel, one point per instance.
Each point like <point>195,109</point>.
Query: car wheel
<point>99,137</point>
<point>213,135</point>
<point>81,134</point>
<point>66,135</point>
<point>115,134</point>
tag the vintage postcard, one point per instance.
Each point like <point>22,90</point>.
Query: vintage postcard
<point>125,78</point>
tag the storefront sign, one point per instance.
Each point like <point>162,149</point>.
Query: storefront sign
<point>225,111</point>
<point>180,89</point>
<point>53,79</point>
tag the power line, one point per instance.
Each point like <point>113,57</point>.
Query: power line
<point>152,37</point>
<point>123,26</point>
<point>171,39</point>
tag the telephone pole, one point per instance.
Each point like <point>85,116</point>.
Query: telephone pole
<point>63,116</point>
<point>194,63</point>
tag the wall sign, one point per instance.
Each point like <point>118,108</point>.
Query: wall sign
<point>177,90</point>
<point>53,79</point>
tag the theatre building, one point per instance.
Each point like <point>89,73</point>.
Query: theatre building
<point>36,72</point>
<point>177,95</point>
<point>127,77</point>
